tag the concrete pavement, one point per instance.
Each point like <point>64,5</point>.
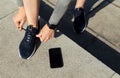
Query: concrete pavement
<point>94,54</point>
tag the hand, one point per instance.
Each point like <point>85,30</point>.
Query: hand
<point>20,18</point>
<point>46,33</point>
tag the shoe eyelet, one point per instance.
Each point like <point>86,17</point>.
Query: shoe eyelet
<point>28,40</point>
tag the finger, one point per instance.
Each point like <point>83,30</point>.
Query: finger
<point>41,39</point>
<point>19,28</point>
<point>45,40</point>
<point>52,36</point>
<point>39,36</point>
<point>21,25</point>
<point>17,24</point>
<point>48,38</point>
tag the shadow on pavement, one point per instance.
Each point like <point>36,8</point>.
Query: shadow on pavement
<point>93,45</point>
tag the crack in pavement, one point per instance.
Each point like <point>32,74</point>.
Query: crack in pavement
<point>7,14</point>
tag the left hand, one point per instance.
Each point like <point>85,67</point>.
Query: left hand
<point>46,33</point>
<point>20,18</point>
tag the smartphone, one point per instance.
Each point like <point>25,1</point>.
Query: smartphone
<point>55,57</point>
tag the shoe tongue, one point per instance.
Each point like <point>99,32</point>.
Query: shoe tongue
<point>32,29</point>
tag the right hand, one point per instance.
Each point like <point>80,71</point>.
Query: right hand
<point>20,18</point>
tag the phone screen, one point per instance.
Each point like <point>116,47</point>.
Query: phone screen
<point>55,56</point>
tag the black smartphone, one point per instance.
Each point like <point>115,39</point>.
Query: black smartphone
<point>56,59</point>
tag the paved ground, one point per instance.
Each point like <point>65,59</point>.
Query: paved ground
<point>94,54</point>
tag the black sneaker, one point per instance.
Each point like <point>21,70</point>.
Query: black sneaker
<point>79,20</point>
<point>28,45</point>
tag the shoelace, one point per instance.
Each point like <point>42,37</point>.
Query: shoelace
<point>24,29</point>
<point>28,38</point>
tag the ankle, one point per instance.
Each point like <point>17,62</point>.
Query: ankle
<point>34,25</point>
<point>78,6</point>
